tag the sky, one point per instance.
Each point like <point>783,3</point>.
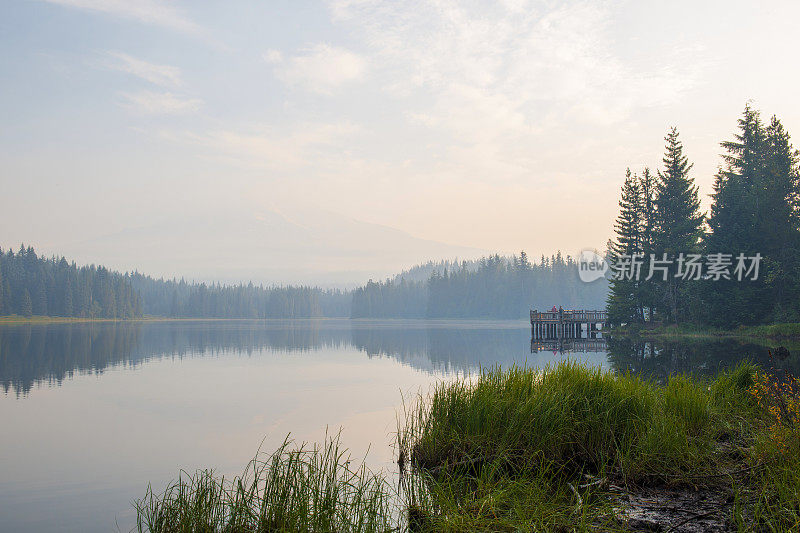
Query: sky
<point>480,126</point>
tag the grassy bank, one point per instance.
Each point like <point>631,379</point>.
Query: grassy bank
<point>543,451</point>
<point>563,449</point>
<point>38,319</point>
<point>18,319</point>
<point>790,330</point>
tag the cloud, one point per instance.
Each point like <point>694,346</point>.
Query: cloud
<point>304,145</point>
<point>164,75</point>
<point>155,12</point>
<point>497,84</point>
<point>321,68</point>
<point>273,57</point>
<point>155,103</point>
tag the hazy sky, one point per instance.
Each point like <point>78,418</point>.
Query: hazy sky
<point>495,126</point>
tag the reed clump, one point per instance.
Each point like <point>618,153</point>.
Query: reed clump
<point>297,488</point>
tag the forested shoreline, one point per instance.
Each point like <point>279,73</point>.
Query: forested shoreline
<point>181,299</point>
<point>31,285</point>
<point>755,214</point>
<point>493,287</point>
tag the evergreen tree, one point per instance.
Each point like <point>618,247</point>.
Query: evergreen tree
<point>39,298</point>
<point>647,290</point>
<point>755,211</point>
<point>6,290</point>
<point>734,206</point>
<point>25,305</point>
<point>623,300</point>
<point>173,308</point>
<point>677,221</point>
<point>67,308</point>
<point>524,263</point>
<point>647,184</point>
<point>733,223</point>
<point>779,223</point>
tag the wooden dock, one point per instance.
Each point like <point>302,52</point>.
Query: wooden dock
<point>566,323</point>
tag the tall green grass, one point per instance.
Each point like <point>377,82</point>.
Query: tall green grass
<point>520,449</point>
<point>789,329</point>
<point>772,499</point>
<point>297,489</point>
<point>581,419</point>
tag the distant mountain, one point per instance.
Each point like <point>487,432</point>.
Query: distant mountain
<point>267,247</point>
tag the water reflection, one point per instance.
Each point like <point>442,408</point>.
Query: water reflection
<point>49,354</point>
<point>592,344</point>
<point>142,400</point>
<point>34,353</point>
<point>658,359</point>
<point>444,347</point>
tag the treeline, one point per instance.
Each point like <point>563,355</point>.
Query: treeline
<point>424,271</point>
<point>179,299</point>
<point>32,285</point>
<point>390,299</point>
<point>493,287</point>
<point>755,212</point>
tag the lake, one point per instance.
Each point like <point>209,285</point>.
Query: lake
<point>92,412</point>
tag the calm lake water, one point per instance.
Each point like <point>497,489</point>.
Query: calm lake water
<point>90,413</point>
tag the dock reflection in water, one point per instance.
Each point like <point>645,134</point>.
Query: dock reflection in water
<point>568,345</point>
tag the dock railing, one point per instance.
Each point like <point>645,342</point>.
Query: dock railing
<point>569,315</point>
<point>566,323</point>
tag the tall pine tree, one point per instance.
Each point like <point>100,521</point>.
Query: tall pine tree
<point>755,211</point>
<point>779,222</point>
<point>624,303</point>
<point>678,222</point>
<point>647,290</point>
<point>25,304</point>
